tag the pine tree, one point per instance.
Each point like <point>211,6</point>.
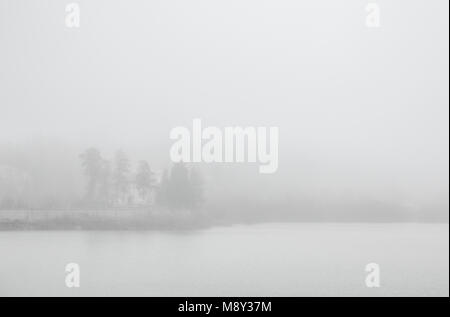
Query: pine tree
<point>121,176</point>
<point>144,180</point>
<point>178,193</point>
<point>92,163</point>
<point>196,188</point>
<point>162,191</point>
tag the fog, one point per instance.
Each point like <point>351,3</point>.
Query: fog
<point>362,112</point>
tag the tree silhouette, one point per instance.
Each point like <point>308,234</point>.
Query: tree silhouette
<point>179,187</point>
<point>144,180</point>
<point>163,188</point>
<point>92,163</point>
<point>105,183</point>
<point>121,176</point>
<point>196,188</point>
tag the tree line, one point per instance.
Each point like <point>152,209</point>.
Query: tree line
<point>113,183</point>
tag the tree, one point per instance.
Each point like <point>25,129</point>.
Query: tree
<point>121,175</point>
<point>92,163</point>
<point>178,193</point>
<point>196,188</point>
<point>105,183</point>
<point>144,180</point>
<point>181,189</point>
<point>162,191</point>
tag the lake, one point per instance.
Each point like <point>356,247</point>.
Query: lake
<point>298,259</point>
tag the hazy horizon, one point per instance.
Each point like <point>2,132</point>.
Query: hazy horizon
<point>362,113</point>
<point>322,168</point>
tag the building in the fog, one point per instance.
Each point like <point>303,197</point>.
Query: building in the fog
<point>135,198</point>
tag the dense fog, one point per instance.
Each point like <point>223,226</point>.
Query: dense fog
<point>362,113</point>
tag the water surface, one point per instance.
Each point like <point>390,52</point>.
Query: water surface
<point>254,260</point>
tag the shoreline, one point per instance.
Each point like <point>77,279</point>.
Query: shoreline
<point>171,223</point>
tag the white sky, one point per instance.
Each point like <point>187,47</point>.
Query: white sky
<point>357,108</point>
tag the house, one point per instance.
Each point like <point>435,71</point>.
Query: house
<point>134,197</point>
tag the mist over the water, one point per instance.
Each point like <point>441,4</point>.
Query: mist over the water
<point>362,113</point>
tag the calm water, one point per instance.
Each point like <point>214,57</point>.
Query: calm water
<point>257,260</point>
